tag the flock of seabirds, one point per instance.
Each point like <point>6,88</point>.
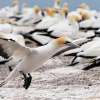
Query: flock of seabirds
<point>54,29</point>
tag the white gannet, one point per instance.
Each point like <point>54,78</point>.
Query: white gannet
<point>30,18</point>
<point>65,4</point>
<point>84,6</point>
<point>6,27</point>
<point>15,8</point>
<point>25,9</point>
<point>57,4</point>
<point>65,28</point>
<point>89,52</point>
<point>31,56</point>
<point>42,27</point>
<point>88,22</point>
<point>48,21</point>
<point>76,52</point>
<point>9,11</point>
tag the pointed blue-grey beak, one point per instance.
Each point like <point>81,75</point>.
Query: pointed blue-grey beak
<point>72,44</point>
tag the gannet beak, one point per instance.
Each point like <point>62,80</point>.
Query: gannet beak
<point>72,44</point>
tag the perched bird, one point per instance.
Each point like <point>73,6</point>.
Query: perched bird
<point>65,4</point>
<point>88,52</point>
<point>84,6</point>
<point>57,4</point>
<point>25,9</point>
<point>42,27</point>
<point>65,28</point>
<point>30,18</point>
<point>6,27</point>
<point>30,56</point>
<point>88,22</point>
<point>47,22</point>
<point>15,7</point>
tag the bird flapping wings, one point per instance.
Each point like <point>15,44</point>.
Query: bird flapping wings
<point>12,48</point>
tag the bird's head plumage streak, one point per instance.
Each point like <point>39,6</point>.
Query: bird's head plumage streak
<point>57,1</point>
<point>63,10</point>
<point>25,5</point>
<point>65,41</point>
<point>52,12</point>
<point>83,6</point>
<point>85,15</point>
<point>62,40</point>
<point>47,10</point>
<point>74,18</point>
<point>65,4</point>
<point>37,9</point>
<point>6,21</point>
<point>15,3</point>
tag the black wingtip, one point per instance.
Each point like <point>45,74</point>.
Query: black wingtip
<point>95,63</point>
<point>73,64</point>
<point>90,66</point>
<point>71,54</point>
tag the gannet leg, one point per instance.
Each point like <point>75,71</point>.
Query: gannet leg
<point>10,68</point>
<point>27,80</point>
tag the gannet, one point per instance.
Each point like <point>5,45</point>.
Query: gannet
<point>57,4</point>
<point>65,28</point>
<point>65,4</point>
<point>30,56</point>
<point>15,9</point>
<point>30,18</point>
<point>6,27</point>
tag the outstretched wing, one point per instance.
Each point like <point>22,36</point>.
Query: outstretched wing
<point>9,47</point>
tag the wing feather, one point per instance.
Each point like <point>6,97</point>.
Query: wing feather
<point>10,47</point>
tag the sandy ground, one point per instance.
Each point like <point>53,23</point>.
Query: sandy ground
<point>54,81</point>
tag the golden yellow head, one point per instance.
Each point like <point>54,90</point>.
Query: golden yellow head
<point>25,5</point>
<point>74,18</point>
<point>57,1</point>
<point>63,10</point>
<point>52,12</point>
<point>47,10</point>
<point>37,9</point>
<point>83,6</point>
<point>15,3</point>
<point>65,4</point>
<point>6,21</point>
<point>85,15</point>
<point>62,41</point>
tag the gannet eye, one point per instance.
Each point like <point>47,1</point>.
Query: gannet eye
<point>67,42</point>
<point>71,44</point>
